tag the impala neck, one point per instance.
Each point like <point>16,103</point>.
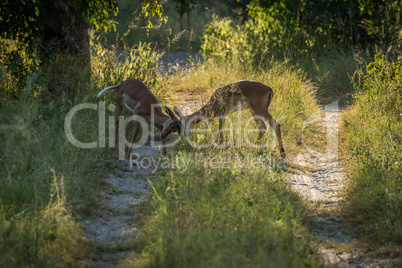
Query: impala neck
<point>160,119</point>
<point>199,115</point>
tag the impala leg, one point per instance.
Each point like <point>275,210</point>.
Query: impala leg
<point>116,141</point>
<point>127,128</point>
<point>120,107</point>
<point>135,133</point>
<point>164,151</point>
<point>262,125</point>
<point>220,137</point>
<point>277,128</point>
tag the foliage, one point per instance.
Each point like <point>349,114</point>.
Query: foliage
<point>318,23</point>
<point>19,20</point>
<point>168,36</point>
<point>221,40</point>
<point>184,6</point>
<point>36,222</point>
<point>373,126</point>
<point>37,30</point>
<point>155,6</point>
<point>46,238</point>
<point>294,28</point>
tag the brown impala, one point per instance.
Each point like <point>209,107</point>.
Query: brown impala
<point>138,99</point>
<point>251,95</point>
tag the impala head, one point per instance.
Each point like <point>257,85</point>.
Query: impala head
<point>172,125</point>
<point>186,126</point>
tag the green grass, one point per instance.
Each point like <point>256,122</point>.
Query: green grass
<point>331,72</point>
<point>41,237</point>
<point>201,216</point>
<point>37,225</point>
<point>223,218</point>
<point>372,141</point>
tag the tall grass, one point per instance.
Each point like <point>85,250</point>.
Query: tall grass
<point>331,73</point>
<point>39,238</point>
<point>37,226</point>
<point>372,135</point>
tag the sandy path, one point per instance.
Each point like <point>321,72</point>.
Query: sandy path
<point>322,188</point>
<point>115,228</point>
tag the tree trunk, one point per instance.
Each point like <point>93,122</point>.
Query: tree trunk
<point>181,22</point>
<point>65,27</point>
<point>64,51</point>
<point>188,20</point>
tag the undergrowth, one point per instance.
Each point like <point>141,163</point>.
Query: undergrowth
<point>329,69</point>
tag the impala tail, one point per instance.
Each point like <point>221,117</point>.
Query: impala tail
<point>271,95</point>
<point>106,89</point>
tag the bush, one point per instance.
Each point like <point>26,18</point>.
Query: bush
<point>111,67</point>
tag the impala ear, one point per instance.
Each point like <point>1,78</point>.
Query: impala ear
<point>177,111</point>
<point>170,113</point>
<point>167,110</point>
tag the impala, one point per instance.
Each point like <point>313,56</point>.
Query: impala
<point>240,95</point>
<point>139,100</point>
